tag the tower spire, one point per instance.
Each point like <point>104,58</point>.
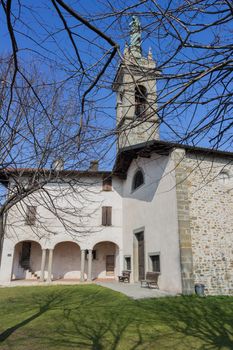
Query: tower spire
<point>135,37</point>
<point>135,86</point>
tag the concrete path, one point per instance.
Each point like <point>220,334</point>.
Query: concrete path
<point>134,290</point>
<point>30,283</point>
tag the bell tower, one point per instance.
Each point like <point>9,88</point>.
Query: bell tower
<point>135,87</point>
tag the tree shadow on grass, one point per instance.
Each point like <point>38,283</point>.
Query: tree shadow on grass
<point>209,320</point>
<point>95,318</point>
<point>86,329</point>
<point>81,318</point>
<point>99,321</point>
<point>43,304</point>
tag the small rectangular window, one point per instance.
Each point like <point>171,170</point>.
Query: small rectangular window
<point>107,184</point>
<point>155,262</point>
<point>30,215</point>
<point>106,216</point>
<point>128,263</point>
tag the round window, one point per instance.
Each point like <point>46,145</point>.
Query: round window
<point>223,177</point>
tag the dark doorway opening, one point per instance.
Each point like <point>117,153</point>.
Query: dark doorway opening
<point>110,264</point>
<point>25,255</point>
<point>141,255</point>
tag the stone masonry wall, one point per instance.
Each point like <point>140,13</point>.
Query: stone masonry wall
<point>210,191</point>
<point>183,212</point>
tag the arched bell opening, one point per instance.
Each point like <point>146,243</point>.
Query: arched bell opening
<point>140,102</point>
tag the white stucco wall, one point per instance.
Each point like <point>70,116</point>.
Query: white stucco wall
<point>66,261</point>
<point>81,208</point>
<point>152,207</point>
<point>35,261</point>
<point>99,265</point>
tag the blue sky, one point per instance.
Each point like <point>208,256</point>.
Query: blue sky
<point>42,43</point>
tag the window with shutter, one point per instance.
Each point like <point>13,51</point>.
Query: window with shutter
<point>109,216</point>
<point>30,215</point>
<point>106,216</point>
<point>107,184</point>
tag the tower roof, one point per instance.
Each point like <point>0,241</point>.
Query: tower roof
<point>133,61</point>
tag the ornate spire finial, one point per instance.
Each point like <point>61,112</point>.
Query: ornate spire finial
<point>150,56</point>
<point>135,34</point>
<point>126,50</point>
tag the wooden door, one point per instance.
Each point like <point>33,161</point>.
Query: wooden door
<point>141,256</point>
<point>110,264</point>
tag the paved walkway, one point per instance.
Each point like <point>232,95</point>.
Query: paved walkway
<point>134,290</point>
<point>28,283</point>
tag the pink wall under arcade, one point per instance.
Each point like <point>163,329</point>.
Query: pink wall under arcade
<point>66,261</point>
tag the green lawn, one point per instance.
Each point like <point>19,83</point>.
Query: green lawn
<point>92,317</point>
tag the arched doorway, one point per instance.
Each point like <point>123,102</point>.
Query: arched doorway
<point>66,261</point>
<point>27,261</point>
<point>105,260</point>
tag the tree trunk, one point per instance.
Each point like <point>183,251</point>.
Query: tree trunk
<point>1,235</point>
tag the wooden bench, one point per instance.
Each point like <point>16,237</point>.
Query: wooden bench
<point>151,280</point>
<point>125,277</point>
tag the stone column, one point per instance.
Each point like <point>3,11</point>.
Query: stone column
<point>82,265</point>
<point>43,260</point>
<point>50,263</point>
<point>186,256</point>
<point>7,261</point>
<point>89,272</point>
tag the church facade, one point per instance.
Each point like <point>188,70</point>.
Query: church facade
<point>164,207</point>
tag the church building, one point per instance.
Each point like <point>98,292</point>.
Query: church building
<point>164,207</point>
